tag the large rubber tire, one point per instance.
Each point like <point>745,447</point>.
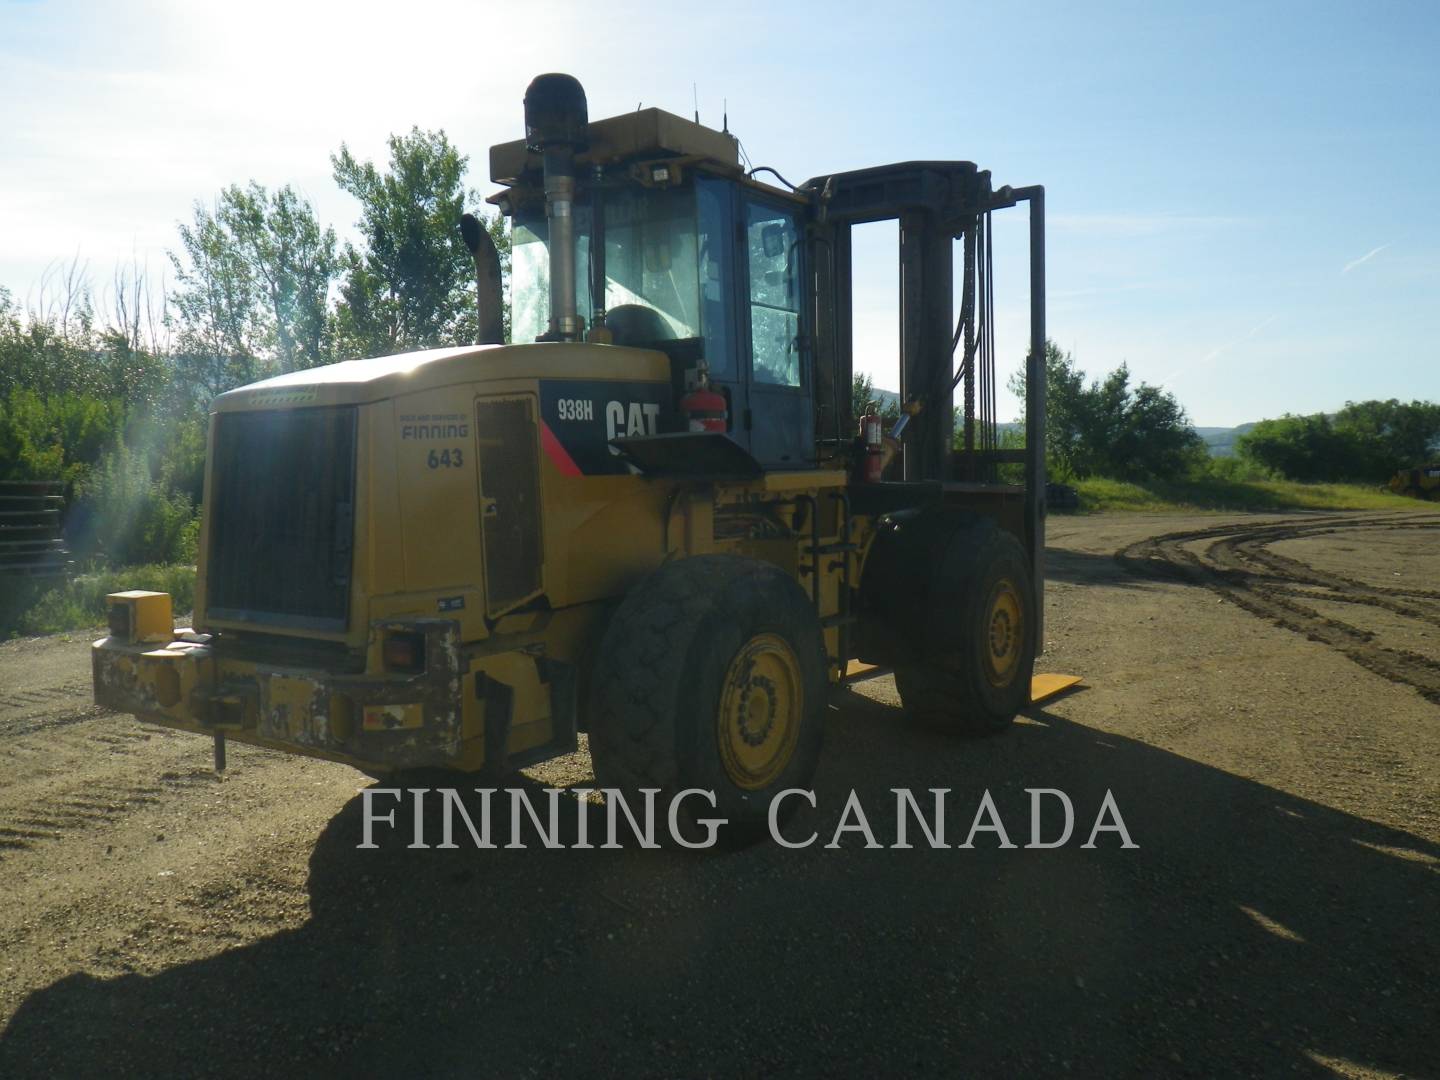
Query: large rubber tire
<point>683,644</point>
<point>973,675</point>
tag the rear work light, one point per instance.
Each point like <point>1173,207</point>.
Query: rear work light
<point>140,616</point>
<point>118,617</point>
<point>404,651</point>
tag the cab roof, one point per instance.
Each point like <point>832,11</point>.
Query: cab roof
<point>646,133</point>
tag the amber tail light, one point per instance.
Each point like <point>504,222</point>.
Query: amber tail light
<point>404,652</point>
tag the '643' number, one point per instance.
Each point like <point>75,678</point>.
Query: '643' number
<point>446,459</point>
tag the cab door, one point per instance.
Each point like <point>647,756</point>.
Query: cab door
<point>780,418</point>
<point>721,289</point>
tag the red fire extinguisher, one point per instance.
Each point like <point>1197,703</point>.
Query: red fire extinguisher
<point>873,441</point>
<point>703,407</point>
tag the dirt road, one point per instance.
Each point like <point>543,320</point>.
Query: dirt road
<point>1261,702</point>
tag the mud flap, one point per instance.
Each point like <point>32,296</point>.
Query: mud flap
<point>499,702</point>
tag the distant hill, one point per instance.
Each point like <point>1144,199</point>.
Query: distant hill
<point>888,399</point>
<point>1221,440</point>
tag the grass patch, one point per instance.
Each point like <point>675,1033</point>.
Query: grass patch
<point>1213,493</point>
<point>44,606</point>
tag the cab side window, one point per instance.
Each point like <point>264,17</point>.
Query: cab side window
<point>773,247</point>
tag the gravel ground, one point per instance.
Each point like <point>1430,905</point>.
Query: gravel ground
<point>1260,702</point>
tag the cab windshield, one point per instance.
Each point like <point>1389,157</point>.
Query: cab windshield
<point>652,267</point>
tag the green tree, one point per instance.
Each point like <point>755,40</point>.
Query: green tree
<point>1393,434</point>
<point>410,286</point>
<point>122,371</point>
<point>863,394</point>
<point>254,284</point>
<point>34,355</point>
<point>1299,448</point>
<point>293,261</point>
<point>59,349</point>
<point>1144,432</point>
<point>1364,441</point>
<point>56,436</point>
<point>218,306</point>
<point>1066,412</point>
<point>1110,428</point>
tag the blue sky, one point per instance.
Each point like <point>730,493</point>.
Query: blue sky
<point>1241,197</point>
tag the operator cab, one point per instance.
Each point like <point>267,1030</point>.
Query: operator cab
<point>642,230</point>
<point>676,250</point>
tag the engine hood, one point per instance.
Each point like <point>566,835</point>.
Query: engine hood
<point>358,382</point>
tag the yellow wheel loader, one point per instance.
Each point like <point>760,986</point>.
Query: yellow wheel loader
<point>1422,482</point>
<point>650,516</point>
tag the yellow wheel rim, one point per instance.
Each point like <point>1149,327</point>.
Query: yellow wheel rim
<point>761,702</point>
<point>1004,633</point>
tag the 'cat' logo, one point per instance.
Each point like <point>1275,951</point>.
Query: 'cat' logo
<point>639,418</point>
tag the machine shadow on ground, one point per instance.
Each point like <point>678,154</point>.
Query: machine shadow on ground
<point>1090,568</point>
<point>1252,931</point>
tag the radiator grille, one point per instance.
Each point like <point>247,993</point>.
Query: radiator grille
<point>510,485</point>
<point>282,517</point>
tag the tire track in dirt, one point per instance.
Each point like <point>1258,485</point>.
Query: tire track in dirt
<point>54,742</point>
<point>1250,552</point>
<point>49,721</point>
<point>72,763</point>
<point>42,695</point>
<point>1299,571</point>
<point>56,814</point>
<point>1234,561</point>
<point>27,710</point>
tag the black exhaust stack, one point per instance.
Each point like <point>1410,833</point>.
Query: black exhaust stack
<point>556,122</point>
<point>490,330</point>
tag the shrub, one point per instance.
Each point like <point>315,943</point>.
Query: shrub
<point>125,516</point>
<point>1366,441</point>
<point>55,437</point>
<point>36,606</point>
<point>1232,470</point>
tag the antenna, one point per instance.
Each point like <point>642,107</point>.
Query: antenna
<point>725,116</point>
<point>695,96</point>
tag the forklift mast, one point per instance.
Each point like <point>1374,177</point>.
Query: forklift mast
<point>935,203</point>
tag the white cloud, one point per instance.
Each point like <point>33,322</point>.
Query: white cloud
<point>1363,259</point>
<point>1216,352</point>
